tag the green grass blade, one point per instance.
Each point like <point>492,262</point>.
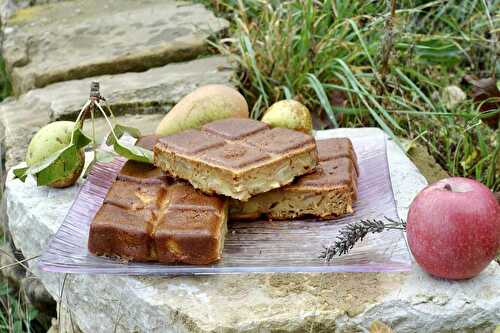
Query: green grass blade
<point>248,49</point>
<point>414,86</point>
<point>321,94</point>
<point>287,92</point>
<point>357,86</point>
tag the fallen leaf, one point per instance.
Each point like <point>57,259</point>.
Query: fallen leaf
<point>452,96</point>
<point>482,90</point>
<point>338,99</point>
<point>319,121</point>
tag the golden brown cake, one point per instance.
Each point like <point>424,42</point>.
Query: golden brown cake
<point>327,192</point>
<point>236,157</point>
<point>149,217</point>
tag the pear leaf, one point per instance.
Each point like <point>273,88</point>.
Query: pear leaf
<point>20,173</point>
<point>134,153</point>
<point>119,131</point>
<point>79,139</point>
<point>130,152</point>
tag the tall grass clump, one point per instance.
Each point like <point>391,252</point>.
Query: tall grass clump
<point>16,316</point>
<point>375,63</point>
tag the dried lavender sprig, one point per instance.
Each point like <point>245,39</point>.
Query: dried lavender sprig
<point>354,232</point>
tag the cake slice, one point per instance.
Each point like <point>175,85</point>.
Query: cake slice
<point>329,191</point>
<point>236,157</point>
<point>123,226</point>
<point>147,216</point>
<point>193,228</point>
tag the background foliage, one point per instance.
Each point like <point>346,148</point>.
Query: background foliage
<point>358,63</point>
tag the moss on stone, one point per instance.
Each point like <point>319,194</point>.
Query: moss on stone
<point>27,14</point>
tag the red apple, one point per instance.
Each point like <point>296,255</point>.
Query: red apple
<point>454,228</point>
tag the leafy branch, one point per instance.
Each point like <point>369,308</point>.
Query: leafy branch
<point>63,162</point>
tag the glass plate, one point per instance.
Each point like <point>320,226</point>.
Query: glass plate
<point>251,247</point>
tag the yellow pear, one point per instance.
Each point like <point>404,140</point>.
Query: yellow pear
<point>289,114</point>
<point>204,105</point>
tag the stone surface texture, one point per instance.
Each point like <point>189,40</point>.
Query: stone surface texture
<point>141,99</point>
<point>76,39</point>
<point>346,302</point>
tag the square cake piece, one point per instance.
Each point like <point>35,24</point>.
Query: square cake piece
<point>236,157</point>
<point>147,216</point>
<point>180,237</point>
<point>193,228</point>
<point>329,191</point>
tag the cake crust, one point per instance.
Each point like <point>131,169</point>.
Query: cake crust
<point>328,192</point>
<point>236,157</point>
<point>147,216</point>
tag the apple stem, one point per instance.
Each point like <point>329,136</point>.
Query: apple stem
<point>447,187</point>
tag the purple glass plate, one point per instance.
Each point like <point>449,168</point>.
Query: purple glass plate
<point>251,247</point>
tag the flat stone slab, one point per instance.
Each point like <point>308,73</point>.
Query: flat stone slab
<point>9,7</point>
<point>77,39</point>
<point>408,302</point>
<point>148,93</point>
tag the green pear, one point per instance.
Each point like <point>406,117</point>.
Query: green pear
<point>49,140</point>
